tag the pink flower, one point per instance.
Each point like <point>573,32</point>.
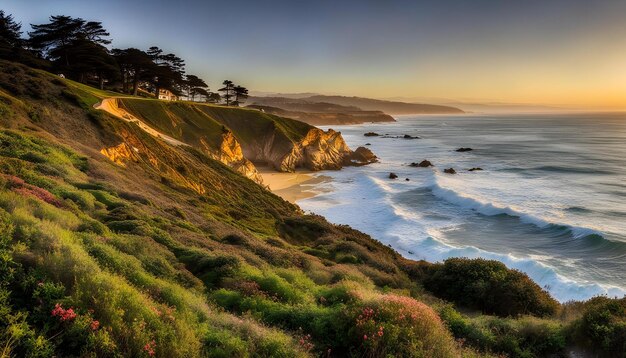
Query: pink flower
<point>365,337</point>
<point>94,325</point>
<point>63,314</point>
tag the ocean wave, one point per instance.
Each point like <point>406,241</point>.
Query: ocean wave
<point>491,209</point>
<point>415,236</point>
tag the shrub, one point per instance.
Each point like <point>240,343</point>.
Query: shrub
<point>523,337</point>
<point>489,286</point>
<point>603,325</point>
<point>391,325</point>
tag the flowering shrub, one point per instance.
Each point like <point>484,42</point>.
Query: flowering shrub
<point>305,343</point>
<point>94,325</point>
<point>21,187</point>
<point>394,325</point>
<point>149,348</point>
<point>65,315</point>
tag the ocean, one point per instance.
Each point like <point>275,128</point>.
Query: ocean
<point>550,200</point>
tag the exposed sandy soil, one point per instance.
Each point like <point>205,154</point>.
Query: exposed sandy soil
<point>110,105</point>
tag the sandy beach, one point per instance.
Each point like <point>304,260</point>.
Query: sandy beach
<point>291,186</point>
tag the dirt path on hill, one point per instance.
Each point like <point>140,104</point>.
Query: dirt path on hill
<point>109,105</point>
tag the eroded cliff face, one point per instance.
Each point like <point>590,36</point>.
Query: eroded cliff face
<point>230,153</point>
<point>317,150</point>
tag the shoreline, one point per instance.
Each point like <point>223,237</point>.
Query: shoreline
<point>292,186</point>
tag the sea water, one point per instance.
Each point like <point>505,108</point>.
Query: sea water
<point>550,200</point>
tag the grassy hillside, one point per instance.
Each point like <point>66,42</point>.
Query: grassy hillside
<point>178,119</point>
<point>190,122</point>
<point>176,255</point>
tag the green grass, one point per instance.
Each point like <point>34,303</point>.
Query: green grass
<point>180,120</point>
<point>197,123</point>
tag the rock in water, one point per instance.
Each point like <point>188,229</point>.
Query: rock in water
<point>407,179</point>
<point>422,164</point>
<point>361,156</point>
<point>449,171</point>
<point>393,176</point>
<point>371,134</point>
<point>406,136</point>
<point>474,169</point>
<point>463,149</point>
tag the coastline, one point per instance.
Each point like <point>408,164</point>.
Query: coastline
<point>292,186</point>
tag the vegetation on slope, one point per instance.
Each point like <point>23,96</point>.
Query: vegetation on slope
<point>192,122</point>
<point>176,255</point>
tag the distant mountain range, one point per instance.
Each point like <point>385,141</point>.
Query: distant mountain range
<point>326,110</point>
<point>389,107</point>
<point>466,105</point>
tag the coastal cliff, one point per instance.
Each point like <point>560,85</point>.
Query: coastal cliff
<point>240,137</point>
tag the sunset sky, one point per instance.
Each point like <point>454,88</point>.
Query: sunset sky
<point>562,52</point>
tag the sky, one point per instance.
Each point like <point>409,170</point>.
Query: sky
<point>555,52</point>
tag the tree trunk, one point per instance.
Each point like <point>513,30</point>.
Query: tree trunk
<point>135,84</point>
<point>101,79</point>
<point>125,82</point>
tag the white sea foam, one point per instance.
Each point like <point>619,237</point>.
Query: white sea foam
<point>491,209</point>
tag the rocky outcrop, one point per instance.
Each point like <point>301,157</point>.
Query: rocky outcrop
<point>361,156</point>
<point>230,153</point>
<point>120,154</point>
<point>449,171</point>
<point>463,149</point>
<point>318,150</point>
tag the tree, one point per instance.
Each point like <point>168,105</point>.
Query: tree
<point>213,97</point>
<point>75,46</point>
<point>228,90</point>
<point>94,32</point>
<point>10,36</point>
<point>167,72</point>
<point>241,94</point>
<point>195,86</point>
<point>52,40</point>
<point>134,65</point>
<point>91,58</point>
<point>199,91</point>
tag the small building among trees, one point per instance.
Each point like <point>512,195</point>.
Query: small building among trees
<point>167,95</point>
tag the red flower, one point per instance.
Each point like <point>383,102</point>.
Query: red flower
<point>365,337</point>
<point>149,348</point>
